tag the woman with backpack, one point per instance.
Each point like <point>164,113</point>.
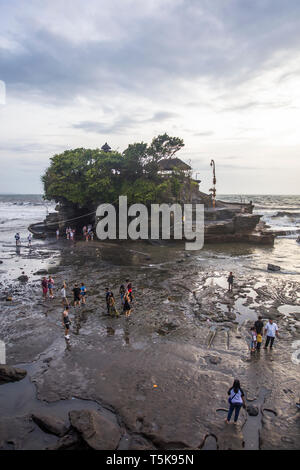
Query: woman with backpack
<point>236,400</point>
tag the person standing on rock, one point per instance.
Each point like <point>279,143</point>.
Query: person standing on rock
<point>271,330</point>
<point>76,293</point>
<point>236,400</point>
<point>129,289</point>
<point>50,287</point>
<point>230,281</point>
<point>57,234</point>
<point>17,238</point>
<point>108,294</point>
<point>82,293</point>
<point>64,294</point>
<point>259,326</point>
<point>112,306</point>
<point>66,322</point>
<point>29,238</point>
<point>127,306</point>
<point>45,287</point>
<point>253,343</point>
<point>122,293</point>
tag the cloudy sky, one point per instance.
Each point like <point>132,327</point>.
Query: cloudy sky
<point>221,74</point>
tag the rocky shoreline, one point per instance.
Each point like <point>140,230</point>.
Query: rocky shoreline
<point>159,379</point>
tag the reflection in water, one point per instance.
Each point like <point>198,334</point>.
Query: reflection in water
<point>68,344</point>
<point>110,331</point>
<point>79,319</point>
<point>126,332</point>
<point>18,250</point>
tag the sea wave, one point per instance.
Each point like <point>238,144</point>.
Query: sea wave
<point>286,214</point>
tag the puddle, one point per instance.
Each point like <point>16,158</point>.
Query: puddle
<point>19,399</point>
<point>244,312</point>
<point>216,281</point>
<point>252,426</point>
<point>288,309</point>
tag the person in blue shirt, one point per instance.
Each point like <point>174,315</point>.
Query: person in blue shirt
<point>83,293</point>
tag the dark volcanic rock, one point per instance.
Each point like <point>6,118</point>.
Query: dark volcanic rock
<point>50,424</point>
<point>273,267</point>
<point>214,359</point>
<point>71,441</point>
<point>10,374</point>
<point>246,222</point>
<point>252,410</point>
<point>23,278</point>
<point>95,429</point>
<point>42,271</point>
<point>139,443</point>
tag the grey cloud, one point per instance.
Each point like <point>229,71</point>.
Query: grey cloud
<point>162,116</point>
<point>122,124</point>
<point>225,41</point>
<point>30,147</point>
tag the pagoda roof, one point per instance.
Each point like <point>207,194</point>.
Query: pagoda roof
<point>106,147</point>
<point>168,164</point>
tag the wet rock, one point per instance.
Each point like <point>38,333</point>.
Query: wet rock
<point>71,441</point>
<point>139,443</point>
<point>50,424</point>
<point>167,327</point>
<point>252,410</point>
<point>214,360</point>
<point>23,278</point>
<point>273,267</point>
<point>10,374</point>
<point>95,429</point>
<point>42,271</point>
<point>14,430</point>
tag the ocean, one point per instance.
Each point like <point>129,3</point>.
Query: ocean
<point>281,213</point>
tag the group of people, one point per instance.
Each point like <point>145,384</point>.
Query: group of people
<point>18,239</point>
<point>258,331</point>
<point>79,298</point>
<point>126,296</point>
<point>87,233</point>
<point>47,287</point>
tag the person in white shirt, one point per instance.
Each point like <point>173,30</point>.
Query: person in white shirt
<point>64,294</point>
<point>271,330</point>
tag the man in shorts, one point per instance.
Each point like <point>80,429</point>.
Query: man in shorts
<point>64,294</point>
<point>76,293</point>
<point>66,322</point>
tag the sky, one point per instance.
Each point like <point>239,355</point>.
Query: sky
<point>223,75</point>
